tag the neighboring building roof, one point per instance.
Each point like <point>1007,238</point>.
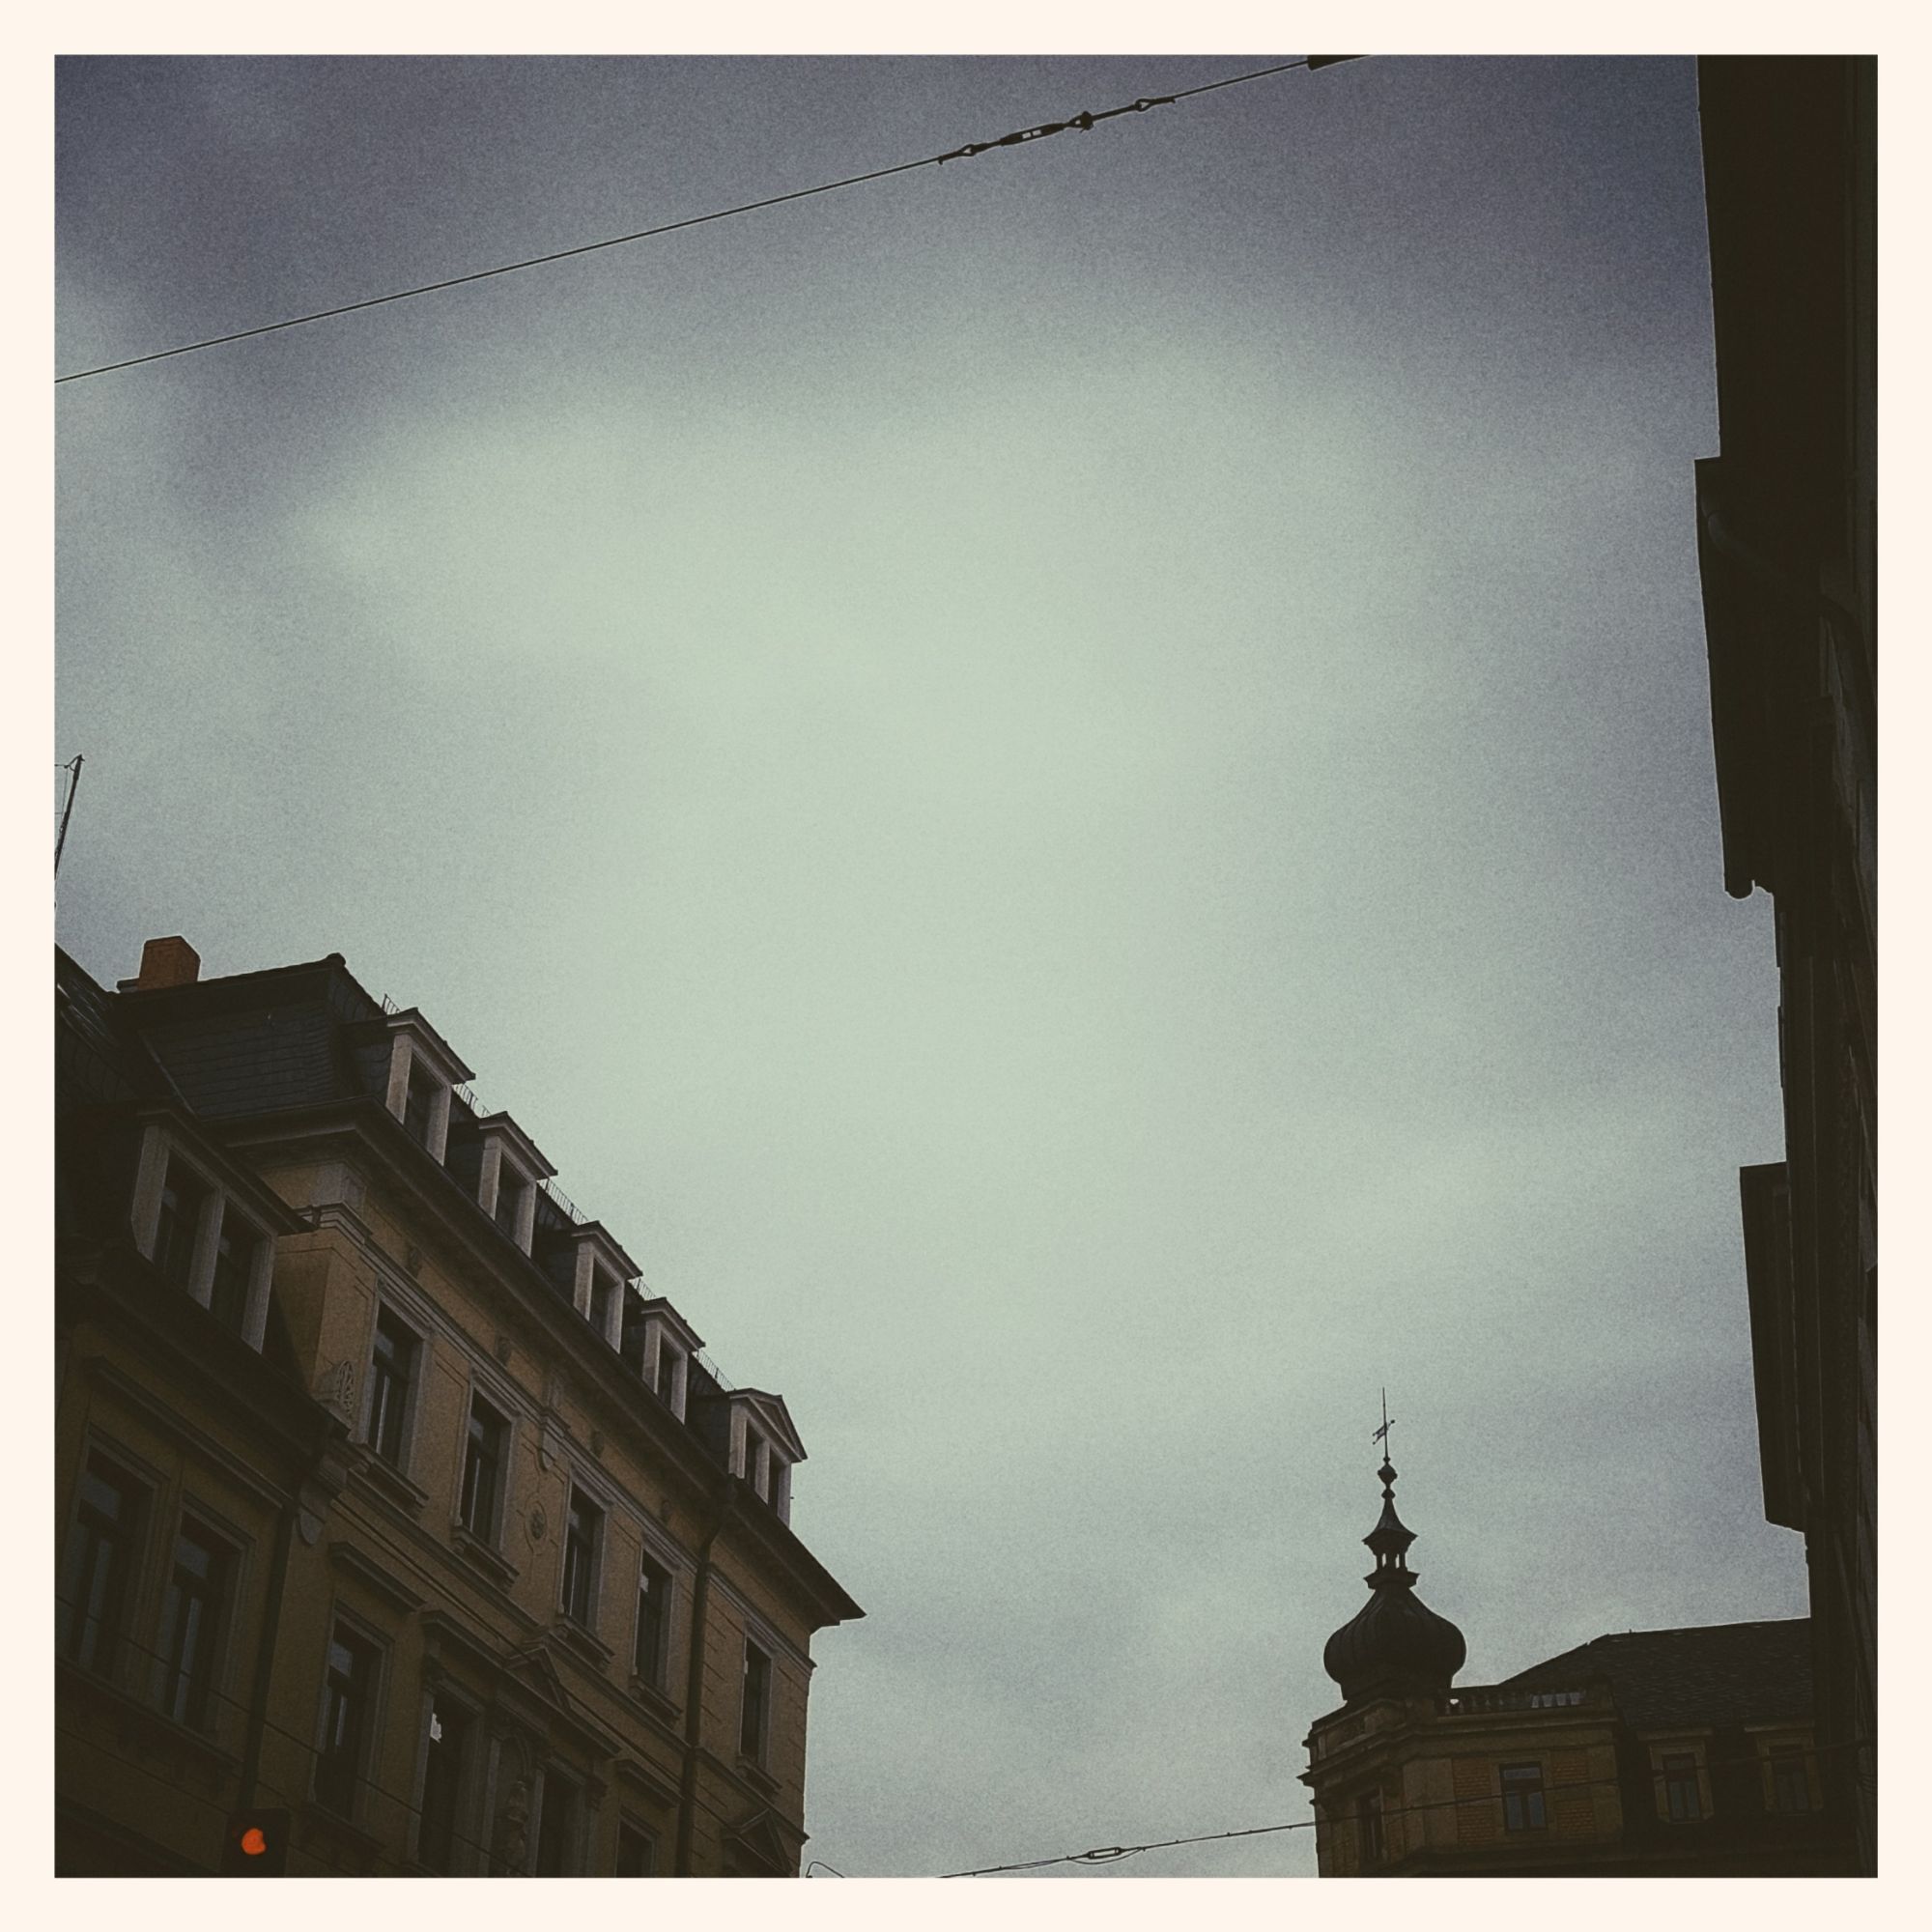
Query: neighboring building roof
<point>1716,1674</point>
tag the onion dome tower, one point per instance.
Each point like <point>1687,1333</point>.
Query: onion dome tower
<point>1395,1645</point>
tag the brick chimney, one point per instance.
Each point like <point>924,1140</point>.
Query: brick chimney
<point>165,962</point>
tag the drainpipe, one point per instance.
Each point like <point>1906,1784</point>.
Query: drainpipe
<point>694,1686</point>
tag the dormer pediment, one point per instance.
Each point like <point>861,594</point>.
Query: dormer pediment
<point>760,1839</point>
<point>429,1046</point>
<point>424,1072</point>
<point>603,1247</point>
<point>518,1145</point>
<point>659,1310</point>
<point>599,1278</point>
<point>533,1667</point>
<point>770,1414</point>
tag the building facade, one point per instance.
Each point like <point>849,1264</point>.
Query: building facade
<point>1653,1753</point>
<point>1787,550</point>
<point>398,1523</point>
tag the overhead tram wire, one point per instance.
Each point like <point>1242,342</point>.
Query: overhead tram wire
<point>1084,121</point>
<point>1107,1855</point>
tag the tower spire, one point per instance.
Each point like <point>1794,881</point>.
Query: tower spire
<point>1395,1642</point>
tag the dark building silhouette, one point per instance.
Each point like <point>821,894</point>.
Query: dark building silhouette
<point>1787,521</point>
<point>1653,1753</point>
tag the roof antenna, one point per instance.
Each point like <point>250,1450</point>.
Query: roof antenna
<point>72,768</point>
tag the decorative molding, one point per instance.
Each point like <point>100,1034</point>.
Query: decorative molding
<point>156,1738</point>
<point>491,1561</point>
<point>592,1649</point>
<point>370,1472</point>
<point>173,1424</point>
<point>363,1568</point>
<point>660,1790</point>
<point>340,1835</point>
<point>336,1389</point>
<point>655,1699</point>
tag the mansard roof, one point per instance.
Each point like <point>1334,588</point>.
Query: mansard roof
<point>1712,1674</point>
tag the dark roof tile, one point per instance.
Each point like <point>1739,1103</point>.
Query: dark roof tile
<point>1714,1674</point>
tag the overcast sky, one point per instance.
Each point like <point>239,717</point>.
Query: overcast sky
<point>1073,790</point>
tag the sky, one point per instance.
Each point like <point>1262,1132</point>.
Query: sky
<point>1074,790</point>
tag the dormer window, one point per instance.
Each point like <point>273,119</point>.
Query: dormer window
<point>425,1095</point>
<point>763,1447</point>
<point>673,1376</point>
<point>669,1347</point>
<point>234,1259</point>
<point>423,1075</point>
<point>513,1170</point>
<point>767,1471</point>
<point>602,1270</point>
<point>183,1195</point>
<point>604,1288</point>
<point>201,1239</point>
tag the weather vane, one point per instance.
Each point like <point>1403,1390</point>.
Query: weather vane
<point>1382,1434</point>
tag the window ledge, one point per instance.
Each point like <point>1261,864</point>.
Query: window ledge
<point>757,1775</point>
<point>588,1647</point>
<point>139,1722</point>
<point>491,1561</point>
<point>390,1484</point>
<point>340,1834</point>
<point>371,1575</point>
<point>654,1697</point>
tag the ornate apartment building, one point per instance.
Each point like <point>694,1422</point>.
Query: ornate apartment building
<point>1649,1754</point>
<point>401,1531</point>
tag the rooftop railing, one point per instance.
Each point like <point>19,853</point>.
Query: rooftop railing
<point>481,1110</point>
<point>1458,1702</point>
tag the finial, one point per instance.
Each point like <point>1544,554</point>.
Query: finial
<point>1387,1470</point>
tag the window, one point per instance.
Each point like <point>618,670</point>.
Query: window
<point>442,1781</point>
<point>637,1850</point>
<point>511,1188</point>
<point>392,1377</point>
<point>653,1620</point>
<point>583,1534</point>
<point>604,1291</point>
<point>1790,1778</point>
<point>1523,1797</point>
<point>483,1460</point>
<point>419,1109</point>
<point>758,1697</point>
<point>1369,1827</point>
<point>182,1196</point>
<point>349,1692</point>
<point>234,1256</point>
<point>670,1375</point>
<point>768,1475</point>
<point>101,1551</point>
<point>1682,1803</point>
<point>192,1617</point>
<point>556,1828</point>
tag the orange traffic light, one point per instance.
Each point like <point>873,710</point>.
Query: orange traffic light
<point>257,1845</point>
